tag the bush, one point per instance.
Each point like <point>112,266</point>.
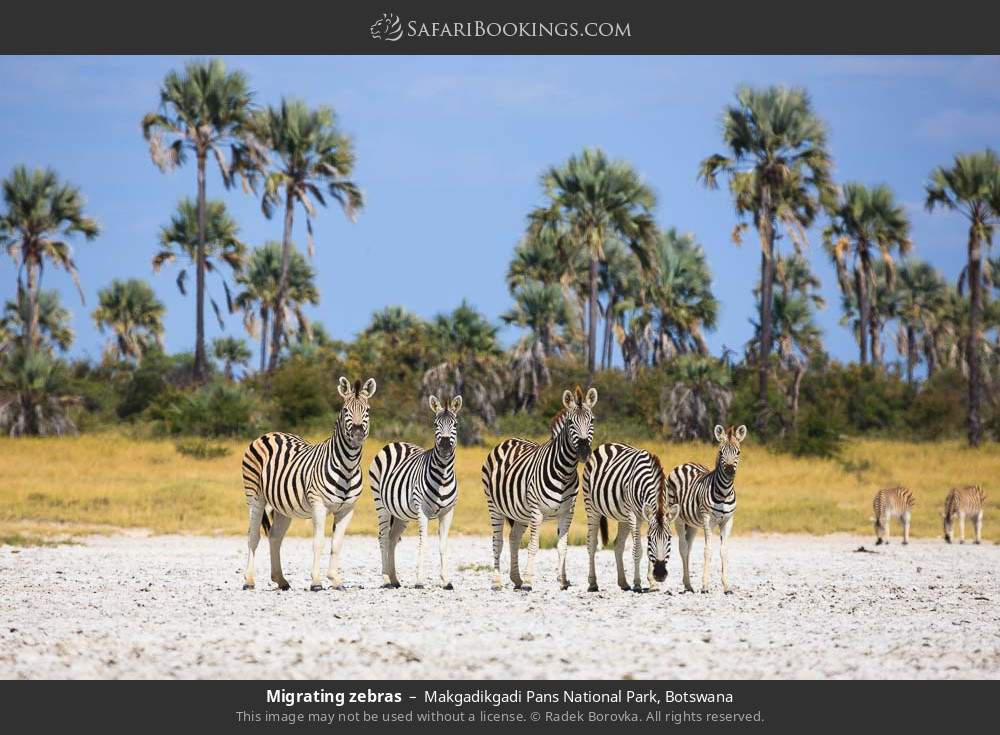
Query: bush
<point>816,435</point>
<point>219,409</point>
<point>201,449</point>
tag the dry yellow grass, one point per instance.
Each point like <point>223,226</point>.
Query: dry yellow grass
<point>58,487</point>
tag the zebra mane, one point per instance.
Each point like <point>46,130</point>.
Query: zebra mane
<point>555,426</point>
<point>661,492</point>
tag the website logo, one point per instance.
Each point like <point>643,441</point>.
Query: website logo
<point>387,28</point>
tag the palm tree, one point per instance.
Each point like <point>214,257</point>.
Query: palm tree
<point>971,186</point>
<point>698,399</point>
<point>864,220</point>
<point>231,351</point>
<point>779,171</point>
<point>134,315</point>
<point>540,308</point>
<point>33,395</point>
<point>392,323</point>
<point>259,298</point>
<point>596,199</point>
<point>201,111</point>
<point>41,214</point>
<point>920,294</point>
<point>53,319</point>
<point>315,160</point>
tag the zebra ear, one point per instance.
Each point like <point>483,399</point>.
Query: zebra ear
<point>435,404</point>
<point>591,398</point>
<point>369,387</point>
<point>344,387</point>
<point>456,404</point>
<point>672,512</point>
<point>720,433</point>
<point>741,433</point>
<point>568,400</point>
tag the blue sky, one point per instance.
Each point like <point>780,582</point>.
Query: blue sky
<point>449,155</point>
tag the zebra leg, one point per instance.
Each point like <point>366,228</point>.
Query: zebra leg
<point>421,547</point>
<point>686,540</point>
<point>906,528</point>
<point>708,555</point>
<point>279,526</point>
<point>496,523</point>
<point>620,556</point>
<point>253,538</point>
<point>724,532</point>
<point>516,532</point>
<point>978,525</point>
<point>562,541</point>
<point>534,531</point>
<point>637,553</point>
<point>444,524</point>
<point>396,528</point>
<point>340,523</point>
<point>319,531</point>
<point>592,523</point>
<point>961,527</point>
<point>384,523</point>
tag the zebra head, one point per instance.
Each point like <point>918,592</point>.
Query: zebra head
<point>578,420</point>
<point>729,447</point>
<point>445,423</point>
<point>658,545</point>
<point>354,415</point>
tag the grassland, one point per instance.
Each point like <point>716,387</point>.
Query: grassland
<point>59,488</point>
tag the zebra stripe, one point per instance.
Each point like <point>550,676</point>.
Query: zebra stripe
<point>628,485</point>
<point>527,483</point>
<point>961,502</point>
<point>410,483</point>
<point>303,480</point>
<point>889,503</point>
<point>707,499</point>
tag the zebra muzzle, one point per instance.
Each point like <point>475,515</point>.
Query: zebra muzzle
<point>583,449</point>
<point>659,570</point>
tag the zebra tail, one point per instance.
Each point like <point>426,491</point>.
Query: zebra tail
<point>604,531</point>
<point>265,523</point>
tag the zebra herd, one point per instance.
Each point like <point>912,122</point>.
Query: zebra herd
<point>526,483</point>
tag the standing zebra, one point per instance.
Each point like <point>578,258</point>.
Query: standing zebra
<point>893,502</point>
<point>962,502</point>
<point>306,480</point>
<point>627,484</point>
<point>527,483</point>
<point>707,498</point>
<point>410,483</point>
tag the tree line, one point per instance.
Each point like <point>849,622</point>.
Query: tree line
<point>599,287</point>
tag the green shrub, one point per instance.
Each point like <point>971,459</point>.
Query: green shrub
<point>201,449</point>
<point>218,409</point>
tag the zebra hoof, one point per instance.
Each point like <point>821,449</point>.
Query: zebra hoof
<point>704,591</point>
<point>339,588</point>
<point>728,592</point>
<point>284,587</point>
<point>565,586</point>
<point>248,586</point>
<point>880,542</point>
<point>593,588</point>
<point>906,543</point>
<point>315,588</point>
<point>962,541</point>
<point>449,586</point>
<point>418,586</point>
<point>624,588</point>
<point>976,543</point>
<point>525,588</point>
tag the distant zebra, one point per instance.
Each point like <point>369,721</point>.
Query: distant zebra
<point>527,483</point>
<point>707,498</point>
<point>306,480</point>
<point>410,483</point>
<point>962,502</point>
<point>893,502</point>
<point>628,485</point>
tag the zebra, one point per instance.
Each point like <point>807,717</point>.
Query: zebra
<point>412,483</point>
<point>707,498</point>
<point>306,480</point>
<point>527,483</point>
<point>962,502</point>
<point>628,485</point>
<point>893,502</point>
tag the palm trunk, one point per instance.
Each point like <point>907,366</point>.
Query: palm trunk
<point>606,343</point>
<point>765,226</point>
<point>911,353</point>
<point>286,254</point>
<point>199,344</point>
<point>862,279</point>
<point>31,328</point>
<point>264,318</point>
<point>975,337</point>
<point>592,351</point>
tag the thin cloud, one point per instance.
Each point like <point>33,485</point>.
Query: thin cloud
<point>960,124</point>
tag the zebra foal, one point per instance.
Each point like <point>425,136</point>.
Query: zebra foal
<point>410,483</point>
<point>964,502</point>
<point>527,483</point>
<point>628,485</point>
<point>303,480</point>
<point>889,503</point>
<point>707,499</point>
